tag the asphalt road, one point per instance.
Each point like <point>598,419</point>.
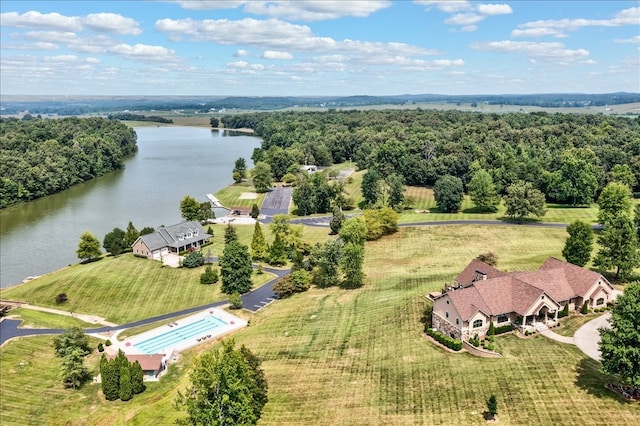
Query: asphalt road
<point>251,301</point>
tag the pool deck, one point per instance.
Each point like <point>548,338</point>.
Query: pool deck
<point>233,323</point>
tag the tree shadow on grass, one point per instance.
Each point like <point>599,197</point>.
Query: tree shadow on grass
<point>516,221</point>
<point>477,210</point>
<point>593,380</point>
<point>95,259</point>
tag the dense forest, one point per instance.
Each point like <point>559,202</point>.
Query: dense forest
<point>40,157</point>
<point>566,156</point>
<point>127,116</point>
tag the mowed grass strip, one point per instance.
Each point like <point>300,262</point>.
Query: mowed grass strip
<point>230,196</point>
<point>353,357</point>
<point>122,289</point>
<point>421,198</point>
<point>38,319</point>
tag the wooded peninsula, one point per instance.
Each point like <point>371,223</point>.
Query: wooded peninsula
<point>39,157</point>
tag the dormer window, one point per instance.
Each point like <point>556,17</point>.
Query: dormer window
<point>195,232</point>
<point>181,236</point>
<point>189,234</point>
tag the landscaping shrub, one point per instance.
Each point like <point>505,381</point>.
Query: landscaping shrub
<point>235,301</point>
<point>107,343</point>
<point>61,298</point>
<point>193,259</point>
<point>585,308</point>
<point>503,329</point>
<point>454,344</point>
<point>255,211</point>
<point>564,312</point>
<point>492,329</point>
<point>209,276</point>
<point>475,341</point>
<point>100,347</point>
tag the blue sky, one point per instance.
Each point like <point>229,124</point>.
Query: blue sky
<point>290,48</point>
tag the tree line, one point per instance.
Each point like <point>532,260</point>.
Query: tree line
<point>41,157</point>
<point>568,157</point>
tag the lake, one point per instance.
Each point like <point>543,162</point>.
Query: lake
<point>42,236</point>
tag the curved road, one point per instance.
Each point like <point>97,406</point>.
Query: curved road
<point>261,296</point>
<point>251,301</point>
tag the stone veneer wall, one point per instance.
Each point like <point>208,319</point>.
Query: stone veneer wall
<point>444,326</point>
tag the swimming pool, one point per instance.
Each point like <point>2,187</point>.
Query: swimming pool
<point>179,334</point>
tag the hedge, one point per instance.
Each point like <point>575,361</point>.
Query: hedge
<point>454,344</point>
<point>504,329</point>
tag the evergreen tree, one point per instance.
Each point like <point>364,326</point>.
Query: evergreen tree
<point>193,260</point>
<point>492,406</point>
<point>72,338</point>
<point>209,276</point>
<point>88,247</point>
<point>137,378</point>
<point>578,247</point>
<point>74,372</point>
<point>239,170</point>
<point>130,235</point>
<point>258,243</point>
<point>110,375</point>
<point>619,248</point>
<point>235,268</point>
<point>255,211</point>
<point>230,234</point>
<point>336,221</point>
<point>277,251</point>
<point>126,390</point>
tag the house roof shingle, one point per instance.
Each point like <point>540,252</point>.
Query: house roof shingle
<point>169,236</point>
<point>473,269</point>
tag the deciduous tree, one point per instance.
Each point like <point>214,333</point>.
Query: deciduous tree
<point>619,248</point>
<point>578,247</point>
<point>448,193</point>
<point>483,192</point>
<point>189,208</point>
<point>114,242</point>
<point>371,187</point>
<point>614,199</point>
<point>226,388</point>
<point>351,263</point>
<point>88,247</point>
<point>522,200</point>
<point>262,178</point>
<point>620,344</point>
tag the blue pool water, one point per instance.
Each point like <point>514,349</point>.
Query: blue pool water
<point>179,334</point>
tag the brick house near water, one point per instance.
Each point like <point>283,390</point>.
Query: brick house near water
<point>170,239</point>
<point>529,300</point>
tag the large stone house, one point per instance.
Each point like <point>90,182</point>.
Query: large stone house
<point>171,239</point>
<point>529,300</point>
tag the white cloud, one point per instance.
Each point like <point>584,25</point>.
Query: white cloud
<point>466,14</point>
<point>33,46</point>
<point>449,62</point>
<point>143,52</point>
<point>632,40</point>
<point>273,54</point>
<point>34,19</point>
<point>558,27</point>
<point>244,65</point>
<point>92,60</point>
<point>549,52</point>
<point>241,53</point>
<point>274,34</point>
<point>61,58</point>
<point>310,10</point>
<point>111,23</point>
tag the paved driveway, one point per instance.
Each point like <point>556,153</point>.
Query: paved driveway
<point>277,201</point>
<point>587,337</point>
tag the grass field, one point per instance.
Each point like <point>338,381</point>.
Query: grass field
<point>37,319</point>
<point>122,289</point>
<point>569,325</point>
<point>338,357</point>
<point>230,195</point>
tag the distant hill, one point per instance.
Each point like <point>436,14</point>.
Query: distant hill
<point>78,105</point>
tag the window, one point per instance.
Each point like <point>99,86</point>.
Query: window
<point>600,301</point>
<point>477,323</point>
<point>457,321</point>
<point>195,232</point>
<point>446,314</point>
<point>503,318</point>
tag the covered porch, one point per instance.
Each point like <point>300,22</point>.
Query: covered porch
<point>542,317</point>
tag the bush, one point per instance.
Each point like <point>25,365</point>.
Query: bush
<point>503,329</point>
<point>235,301</point>
<point>475,341</point>
<point>491,346</point>
<point>107,343</point>
<point>209,276</point>
<point>100,347</point>
<point>492,329</point>
<point>564,312</point>
<point>61,298</point>
<point>255,211</point>
<point>585,308</point>
<point>449,342</point>
<point>193,260</point>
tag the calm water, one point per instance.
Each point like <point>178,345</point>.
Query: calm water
<point>42,236</point>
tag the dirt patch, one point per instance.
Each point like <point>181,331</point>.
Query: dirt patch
<point>248,196</point>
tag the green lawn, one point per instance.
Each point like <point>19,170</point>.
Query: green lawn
<point>37,319</point>
<point>230,196</point>
<point>569,325</point>
<point>357,357</point>
<point>122,289</point>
